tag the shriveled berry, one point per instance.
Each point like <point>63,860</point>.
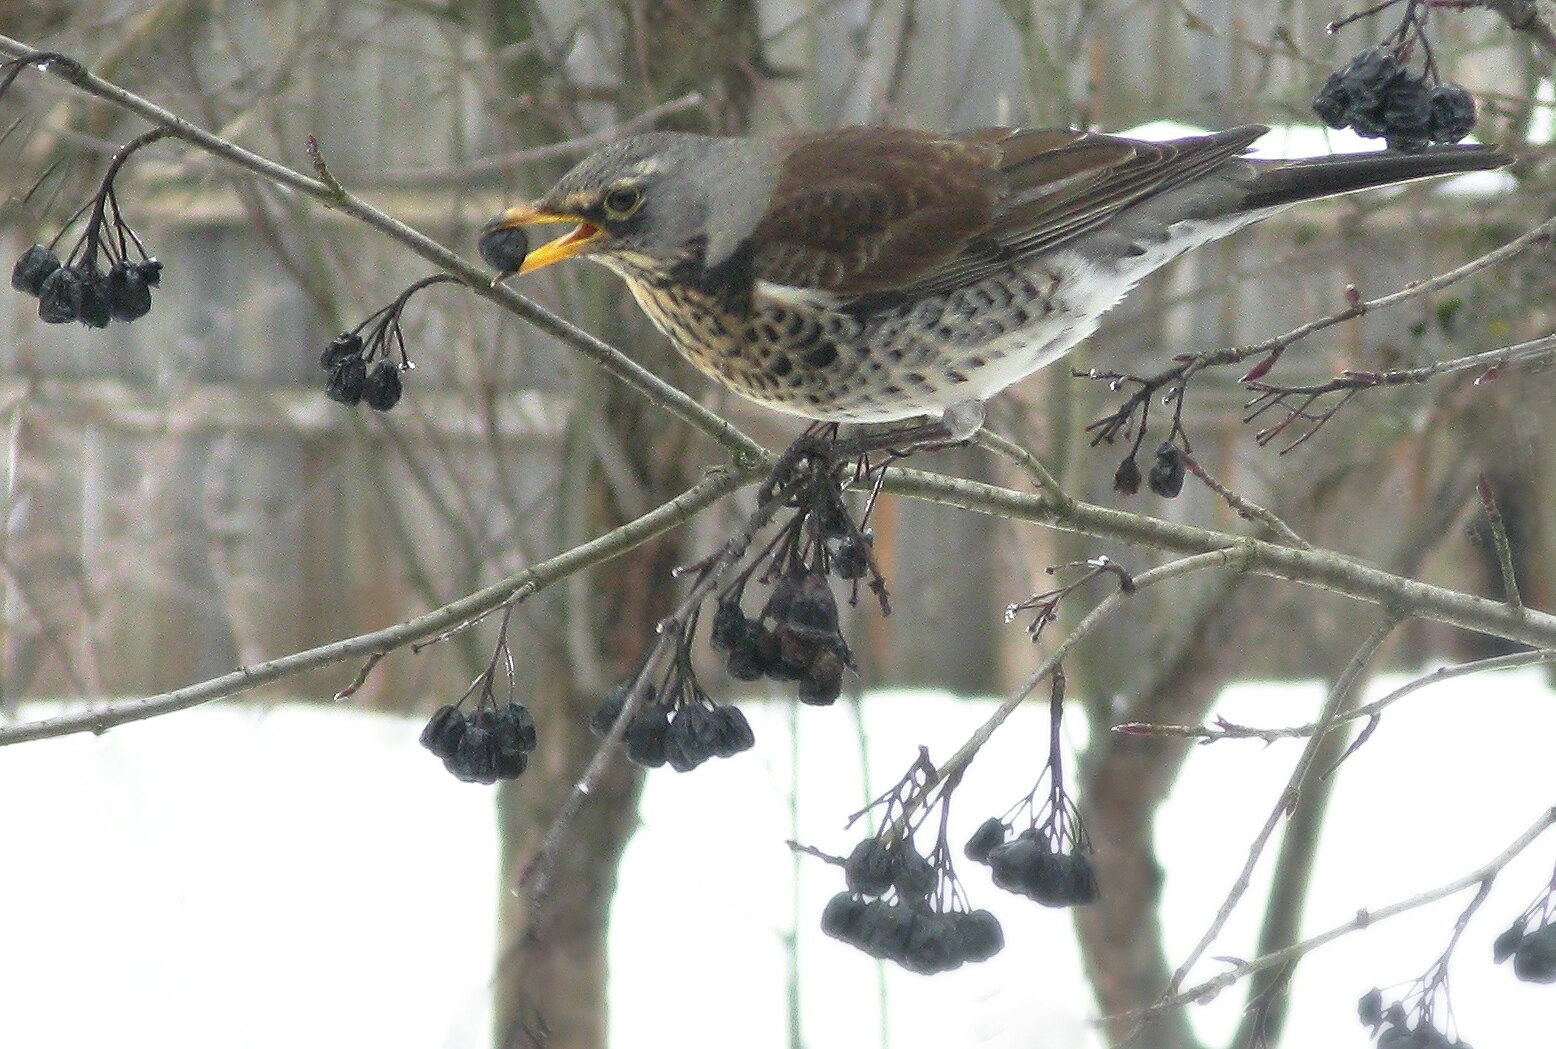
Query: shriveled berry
<point>989,835</point>
<point>96,308</point>
<point>749,659</point>
<point>444,730</point>
<point>476,759</point>
<point>1503,946</point>
<point>151,273</point>
<point>734,732</point>
<point>341,349</point>
<point>869,868</point>
<point>729,625</point>
<point>1452,113</point>
<point>692,738</point>
<point>932,945</point>
<point>822,682</point>
<point>33,268</point>
<point>382,389</point>
<point>1370,1009</point>
<point>1126,479</point>
<point>912,875</point>
<point>852,560</point>
<point>812,611</point>
<point>515,727</point>
<point>980,935</point>
<point>647,737</point>
<point>1166,477</point>
<point>347,382</point>
<point>59,296</point>
<point>129,296</point>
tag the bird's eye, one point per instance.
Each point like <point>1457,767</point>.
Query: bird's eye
<point>623,201</point>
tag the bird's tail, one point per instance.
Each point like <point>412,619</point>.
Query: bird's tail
<point>1288,183</point>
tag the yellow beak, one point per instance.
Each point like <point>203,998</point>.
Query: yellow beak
<point>563,247</point>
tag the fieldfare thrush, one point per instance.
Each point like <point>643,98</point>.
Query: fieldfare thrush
<point>871,274</point>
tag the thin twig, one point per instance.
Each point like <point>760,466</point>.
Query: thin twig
<point>658,392</point>
<point>1207,990</point>
<point>1504,548</point>
<point>1339,696</point>
<point>612,544</point>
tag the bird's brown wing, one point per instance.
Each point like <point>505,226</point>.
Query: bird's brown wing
<point>862,210</point>
<point>878,215</point>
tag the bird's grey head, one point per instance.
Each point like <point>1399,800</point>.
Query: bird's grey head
<point>651,203</point>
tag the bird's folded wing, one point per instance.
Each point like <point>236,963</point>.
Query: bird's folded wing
<point>873,216</point>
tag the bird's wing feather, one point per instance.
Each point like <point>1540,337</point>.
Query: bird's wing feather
<point>888,217</point>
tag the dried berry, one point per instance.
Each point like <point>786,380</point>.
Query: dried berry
<point>729,625</point>
<point>444,730</point>
<point>341,349</point>
<point>1503,946</point>
<point>840,917</point>
<point>870,868</point>
<point>989,835</point>
<point>129,296</point>
<point>347,382</point>
<point>1126,479</point>
<point>382,389</point>
<point>95,309</point>
<point>1166,477</point>
<point>734,733</point>
<point>59,296</point>
<point>35,265</point>
<point>648,737</point>
<point>1452,113</point>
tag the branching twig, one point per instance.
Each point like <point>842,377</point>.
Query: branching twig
<point>658,392</point>
<point>1207,990</point>
<point>532,580</point>
<point>1342,694</point>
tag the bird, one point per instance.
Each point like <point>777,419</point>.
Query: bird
<point>874,274</point>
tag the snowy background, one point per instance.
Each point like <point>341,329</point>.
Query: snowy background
<point>306,876</point>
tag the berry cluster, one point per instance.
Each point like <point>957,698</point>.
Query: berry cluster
<point>1035,864</point>
<point>796,636</point>
<point>1377,96</point>
<point>1050,859</point>
<point>494,740</point>
<point>1533,950</point>
<point>361,366</point>
<point>1393,1029</point>
<point>902,905</point>
<point>677,726</point>
<point>107,276</point>
<point>484,745</point>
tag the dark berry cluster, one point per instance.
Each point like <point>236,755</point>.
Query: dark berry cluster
<point>1393,1028</point>
<point>1377,96</point>
<point>1050,859</point>
<point>1531,941</point>
<point>484,745</point>
<point>895,908</point>
<point>365,363</point>
<point>901,904</point>
<point>1034,864</point>
<point>107,276</point>
<point>676,726</point>
<point>796,635</point>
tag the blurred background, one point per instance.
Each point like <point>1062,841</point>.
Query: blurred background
<point>180,497</point>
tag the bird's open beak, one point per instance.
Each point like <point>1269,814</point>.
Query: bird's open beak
<point>499,249</point>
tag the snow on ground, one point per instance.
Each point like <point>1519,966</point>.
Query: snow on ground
<point>306,876</point>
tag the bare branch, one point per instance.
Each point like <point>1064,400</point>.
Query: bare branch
<point>532,580</point>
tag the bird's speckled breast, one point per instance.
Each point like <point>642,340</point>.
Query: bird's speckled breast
<point>916,358</point>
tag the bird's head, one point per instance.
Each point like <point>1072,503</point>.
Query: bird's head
<point>644,206</point>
